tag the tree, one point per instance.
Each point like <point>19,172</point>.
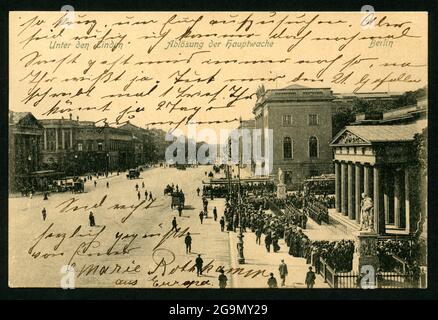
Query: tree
<point>341,118</point>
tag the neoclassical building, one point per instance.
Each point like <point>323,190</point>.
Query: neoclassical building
<point>25,135</point>
<point>301,123</point>
<point>375,156</point>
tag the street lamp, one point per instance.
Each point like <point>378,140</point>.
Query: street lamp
<point>76,165</point>
<point>107,163</point>
<point>241,259</point>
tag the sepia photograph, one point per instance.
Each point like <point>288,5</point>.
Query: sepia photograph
<point>218,150</point>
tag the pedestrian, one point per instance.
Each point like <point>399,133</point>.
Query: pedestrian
<point>46,195</point>
<point>258,235</point>
<point>201,216</point>
<point>44,212</point>
<point>174,224</point>
<point>268,241</point>
<point>138,195</point>
<point>215,213</point>
<point>180,209</point>
<point>199,263</point>
<point>142,185</point>
<point>222,279</point>
<point>91,218</point>
<point>107,185</point>
<point>310,278</point>
<point>95,183</point>
<point>198,191</point>
<point>136,187</point>
<point>188,242</point>
<point>272,282</point>
<point>150,196</point>
<point>222,222</point>
<point>283,272</point>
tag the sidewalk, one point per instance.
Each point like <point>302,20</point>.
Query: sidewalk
<point>257,258</point>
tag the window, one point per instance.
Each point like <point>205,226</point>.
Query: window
<point>99,147</point>
<point>313,147</point>
<point>287,120</point>
<point>79,146</point>
<point>313,119</point>
<point>287,148</point>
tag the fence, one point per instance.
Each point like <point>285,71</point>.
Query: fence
<point>351,280</point>
<point>336,279</point>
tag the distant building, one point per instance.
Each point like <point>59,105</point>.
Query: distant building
<point>245,127</point>
<point>77,147</point>
<point>59,144</point>
<point>25,134</point>
<point>301,119</point>
<point>366,96</point>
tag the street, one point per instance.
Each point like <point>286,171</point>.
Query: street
<point>124,237</point>
<point>132,244</point>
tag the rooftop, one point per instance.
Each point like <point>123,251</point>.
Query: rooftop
<point>385,133</point>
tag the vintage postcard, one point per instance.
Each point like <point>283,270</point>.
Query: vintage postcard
<point>218,149</point>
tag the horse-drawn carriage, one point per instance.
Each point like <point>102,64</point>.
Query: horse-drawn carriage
<point>72,184</point>
<point>168,190</point>
<point>79,186</point>
<point>178,199</point>
<point>133,174</point>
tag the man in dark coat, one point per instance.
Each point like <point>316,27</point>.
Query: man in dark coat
<point>188,242</point>
<point>199,263</point>
<point>222,222</point>
<point>310,278</point>
<point>272,282</point>
<point>91,218</point>
<point>258,234</point>
<point>215,213</point>
<point>282,269</point>
<point>268,241</point>
<point>174,224</point>
<point>222,279</point>
<point>201,216</point>
<point>44,212</point>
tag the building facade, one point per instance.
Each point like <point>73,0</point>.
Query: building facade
<point>25,135</point>
<point>58,145</point>
<point>375,157</point>
<point>301,123</point>
<point>78,147</point>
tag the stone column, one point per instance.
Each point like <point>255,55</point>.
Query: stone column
<point>56,139</point>
<point>350,191</point>
<point>338,186</point>
<point>366,180</point>
<point>357,194</point>
<point>45,139</point>
<point>379,213</point>
<point>71,138</point>
<point>63,138</point>
<point>407,201</point>
<point>397,195</point>
<point>344,203</point>
<point>388,198</point>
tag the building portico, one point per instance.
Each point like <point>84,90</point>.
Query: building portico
<point>374,160</point>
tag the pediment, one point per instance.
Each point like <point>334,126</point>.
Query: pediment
<point>347,137</point>
<point>29,121</point>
